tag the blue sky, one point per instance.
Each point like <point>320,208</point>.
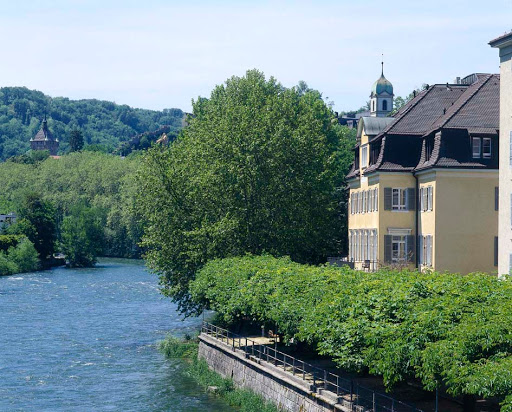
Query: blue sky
<point>158,54</point>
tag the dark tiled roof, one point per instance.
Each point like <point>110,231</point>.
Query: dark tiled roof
<point>429,106</point>
<point>478,107</point>
<point>468,108</point>
<point>44,133</point>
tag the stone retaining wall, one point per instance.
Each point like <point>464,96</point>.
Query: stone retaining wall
<point>286,391</point>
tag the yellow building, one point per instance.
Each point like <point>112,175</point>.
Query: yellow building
<point>423,186</point>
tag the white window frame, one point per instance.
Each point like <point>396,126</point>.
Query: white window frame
<point>402,197</point>
<point>364,156</point>
<point>486,155</point>
<point>477,154</point>
<point>400,241</point>
<point>430,198</point>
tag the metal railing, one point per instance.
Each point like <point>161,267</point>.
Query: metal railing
<point>348,390</point>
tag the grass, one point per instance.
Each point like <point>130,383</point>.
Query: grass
<point>242,399</point>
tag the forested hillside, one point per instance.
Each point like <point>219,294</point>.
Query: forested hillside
<point>103,124</point>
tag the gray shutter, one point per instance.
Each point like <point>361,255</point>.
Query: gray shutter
<point>411,198</point>
<point>410,248</point>
<point>388,193</point>
<point>431,198</point>
<point>422,256</point>
<point>388,248</point>
<point>376,198</point>
<point>495,250</point>
<point>496,198</point>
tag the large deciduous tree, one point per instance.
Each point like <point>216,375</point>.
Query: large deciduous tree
<point>259,169</point>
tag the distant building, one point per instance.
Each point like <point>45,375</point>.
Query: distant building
<point>423,186</point>
<point>44,140</point>
<point>504,44</point>
<point>6,221</point>
<point>351,119</point>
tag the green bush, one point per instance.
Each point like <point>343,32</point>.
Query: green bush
<point>8,241</point>
<point>7,266</point>
<point>24,256</point>
<point>443,329</point>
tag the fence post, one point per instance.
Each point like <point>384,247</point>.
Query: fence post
<point>325,379</point>
<point>351,391</point>
<point>293,366</point>
<point>373,402</point>
<point>314,378</point>
<point>337,385</point>
<point>266,349</point>
<point>303,371</point>
<point>252,348</point>
<point>233,343</point>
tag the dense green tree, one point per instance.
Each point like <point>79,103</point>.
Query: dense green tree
<point>259,169</point>
<point>82,236</point>
<point>76,141</point>
<point>24,256</point>
<point>38,223</point>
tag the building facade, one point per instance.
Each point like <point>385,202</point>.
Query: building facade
<point>44,140</point>
<point>504,44</point>
<point>423,186</point>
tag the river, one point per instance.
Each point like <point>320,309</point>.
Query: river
<point>85,340</point>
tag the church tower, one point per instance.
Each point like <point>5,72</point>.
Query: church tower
<point>44,140</point>
<point>381,98</point>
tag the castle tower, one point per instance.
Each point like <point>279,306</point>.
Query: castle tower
<point>381,98</point>
<point>44,140</point>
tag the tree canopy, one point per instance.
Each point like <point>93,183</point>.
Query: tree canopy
<point>103,124</point>
<point>259,169</point>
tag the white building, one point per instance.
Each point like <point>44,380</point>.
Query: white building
<point>504,44</point>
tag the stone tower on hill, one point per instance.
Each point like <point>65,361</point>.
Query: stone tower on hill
<point>44,140</point>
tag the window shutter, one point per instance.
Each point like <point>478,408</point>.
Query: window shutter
<point>421,199</point>
<point>411,198</point>
<point>429,250</point>
<point>410,248</point>
<point>388,248</point>
<point>495,250</point>
<point>387,198</point>
<point>431,198</point>
<point>496,198</point>
<point>420,242</point>
<point>376,198</point>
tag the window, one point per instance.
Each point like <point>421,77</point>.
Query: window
<point>384,105</point>
<point>370,200</point>
<point>423,198</point>
<point>430,197</point>
<point>364,201</point>
<point>476,147</point>
<point>364,156</point>
<point>398,249</point>
<point>425,250</point>
<point>376,200</point>
<point>399,199</point>
<point>486,147</point>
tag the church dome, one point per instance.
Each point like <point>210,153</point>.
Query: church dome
<point>382,85</point>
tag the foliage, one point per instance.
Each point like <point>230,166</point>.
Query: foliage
<point>82,236</point>
<point>38,220</point>
<point>24,256</point>
<point>96,180</point>
<point>443,329</point>
<point>76,141</point>
<point>259,169</point>
<point>8,241</point>
<point>242,399</point>
<point>104,123</point>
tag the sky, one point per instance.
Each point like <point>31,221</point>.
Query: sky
<point>159,54</point>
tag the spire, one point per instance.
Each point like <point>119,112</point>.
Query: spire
<point>382,63</point>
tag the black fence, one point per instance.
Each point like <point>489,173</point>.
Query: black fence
<point>360,397</point>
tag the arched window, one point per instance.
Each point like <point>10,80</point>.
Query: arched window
<point>373,105</point>
<point>384,105</point>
